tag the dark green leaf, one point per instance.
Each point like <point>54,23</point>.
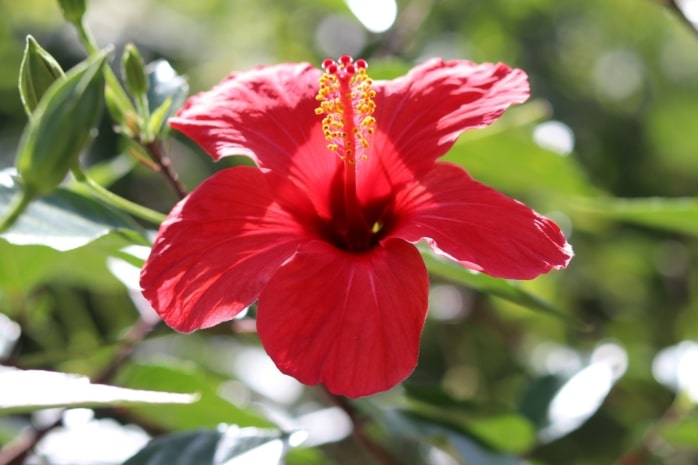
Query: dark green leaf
<point>233,446</point>
<point>27,390</point>
<point>505,289</point>
<point>210,411</point>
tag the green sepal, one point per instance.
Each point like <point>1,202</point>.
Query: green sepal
<point>133,72</point>
<point>61,126</point>
<point>37,71</point>
<point>73,10</point>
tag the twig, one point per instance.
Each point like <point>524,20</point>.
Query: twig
<point>163,161</point>
<point>359,422</point>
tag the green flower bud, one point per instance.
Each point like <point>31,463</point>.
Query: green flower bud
<point>132,69</point>
<point>37,72</point>
<point>73,10</point>
<point>61,127</point>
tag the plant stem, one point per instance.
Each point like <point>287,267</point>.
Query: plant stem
<point>358,421</point>
<point>163,161</point>
<point>117,201</point>
<point>154,147</point>
<point>18,205</point>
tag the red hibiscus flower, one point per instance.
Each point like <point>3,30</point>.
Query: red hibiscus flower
<point>321,232</point>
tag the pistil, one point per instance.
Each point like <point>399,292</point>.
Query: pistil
<point>346,100</point>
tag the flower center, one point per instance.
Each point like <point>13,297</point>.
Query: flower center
<point>346,101</point>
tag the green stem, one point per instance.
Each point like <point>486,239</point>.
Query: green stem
<point>18,205</point>
<point>112,81</point>
<point>117,201</point>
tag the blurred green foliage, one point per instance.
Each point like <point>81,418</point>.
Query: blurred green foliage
<point>622,76</point>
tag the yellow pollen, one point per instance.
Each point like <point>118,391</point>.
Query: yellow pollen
<point>346,100</point>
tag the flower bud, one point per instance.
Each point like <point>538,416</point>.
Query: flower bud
<point>37,72</point>
<point>73,10</point>
<point>61,127</point>
<point>132,70</point>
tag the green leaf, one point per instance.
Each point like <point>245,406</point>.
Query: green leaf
<point>682,433</point>
<point>306,456</point>
<point>24,267</point>
<point>505,289</point>
<point>673,214</point>
<point>233,446</point>
<point>28,390</point>
<point>475,454</point>
<point>210,411</point>
<point>505,432</point>
<point>513,163</point>
<point>436,428</point>
<point>558,404</point>
<point>63,220</point>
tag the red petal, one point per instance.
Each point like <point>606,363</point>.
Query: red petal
<point>477,226</point>
<point>217,249</point>
<point>265,113</point>
<point>420,115</point>
<point>350,321</point>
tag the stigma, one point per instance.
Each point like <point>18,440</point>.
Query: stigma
<point>346,100</point>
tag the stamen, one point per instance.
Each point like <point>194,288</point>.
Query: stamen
<point>346,100</point>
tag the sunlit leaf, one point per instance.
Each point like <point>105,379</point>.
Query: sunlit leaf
<point>673,214</point>
<point>27,390</point>
<point>165,84</point>
<point>24,267</point>
<point>232,446</point>
<point>63,220</point>
<point>559,403</point>
<point>211,409</point>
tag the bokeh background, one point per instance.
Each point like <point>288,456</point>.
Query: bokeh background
<point>607,146</point>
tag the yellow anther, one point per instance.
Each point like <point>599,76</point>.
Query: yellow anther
<point>346,100</point>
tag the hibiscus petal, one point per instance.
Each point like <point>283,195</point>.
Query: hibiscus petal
<point>420,115</point>
<point>217,249</point>
<point>265,113</point>
<point>477,226</point>
<point>350,321</point>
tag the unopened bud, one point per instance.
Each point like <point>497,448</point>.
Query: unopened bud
<point>132,69</point>
<point>61,127</point>
<point>37,71</point>
<point>73,10</point>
